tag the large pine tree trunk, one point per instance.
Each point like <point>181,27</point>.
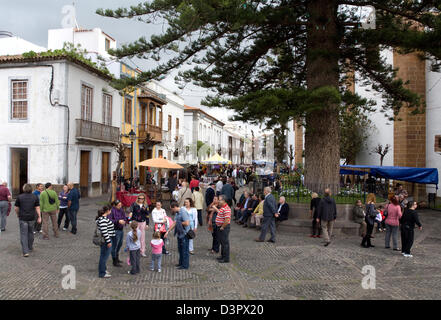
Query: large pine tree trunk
<point>322,153</point>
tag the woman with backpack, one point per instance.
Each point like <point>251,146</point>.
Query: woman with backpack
<point>371,214</point>
<point>392,222</point>
<point>106,228</point>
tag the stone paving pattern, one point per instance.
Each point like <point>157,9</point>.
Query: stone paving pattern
<point>296,267</point>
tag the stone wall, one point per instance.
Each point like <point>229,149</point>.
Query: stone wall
<point>410,132</point>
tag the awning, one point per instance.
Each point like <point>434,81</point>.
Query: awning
<point>160,163</point>
<point>408,174</point>
<point>216,159</point>
<point>260,162</point>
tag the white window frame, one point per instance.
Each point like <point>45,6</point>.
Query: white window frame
<point>107,109</point>
<point>89,115</point>
<point>11,100</point>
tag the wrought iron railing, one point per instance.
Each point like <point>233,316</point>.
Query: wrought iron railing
<point>294,189</point>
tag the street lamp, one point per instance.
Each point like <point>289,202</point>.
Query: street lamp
<point>132,137</point>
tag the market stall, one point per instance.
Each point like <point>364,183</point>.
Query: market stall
<point>214,164</point>
<point>159,163</point>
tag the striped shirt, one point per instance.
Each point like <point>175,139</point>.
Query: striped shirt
<point>223,214</point>
<point>106,228</point>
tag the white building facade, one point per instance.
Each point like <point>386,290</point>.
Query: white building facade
<point>60,135</point>
<point>433,122</point>
<point>382,131</point>
<point>95,41</point>
<point>200,126</point>
<point>238,144</point>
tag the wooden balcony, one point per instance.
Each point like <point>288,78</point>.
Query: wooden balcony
<point>154,131</point>
<point>96,132</point>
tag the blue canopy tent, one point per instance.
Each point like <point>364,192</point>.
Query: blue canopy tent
<point>408,174</point>
<point>262,162</point>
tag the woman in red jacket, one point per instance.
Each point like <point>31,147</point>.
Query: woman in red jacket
<point>392,222</point>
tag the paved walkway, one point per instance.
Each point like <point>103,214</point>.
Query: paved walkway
<point>296,267</point>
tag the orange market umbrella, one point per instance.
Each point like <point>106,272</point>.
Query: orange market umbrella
<point>160,163</point>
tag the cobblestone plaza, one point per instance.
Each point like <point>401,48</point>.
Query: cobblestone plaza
<point>296,267</point>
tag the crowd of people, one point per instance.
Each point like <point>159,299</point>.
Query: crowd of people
<point>399,215</point>
<point>35,208</point>
<point>186,215</point>
<point>187,208</point>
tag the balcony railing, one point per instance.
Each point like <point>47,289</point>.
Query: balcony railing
<point>155,132</point>
<point>94,131</point>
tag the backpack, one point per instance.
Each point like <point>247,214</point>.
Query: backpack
<point>98,238</point>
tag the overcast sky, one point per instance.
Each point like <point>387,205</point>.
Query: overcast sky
<point>31,19</point>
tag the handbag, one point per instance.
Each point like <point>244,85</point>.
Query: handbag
<point>98,238</point>
<point>191,234</point>
<point>160,227</point>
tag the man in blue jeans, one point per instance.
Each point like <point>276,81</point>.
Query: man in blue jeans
<point>73,203</point>
<point>182,225</point>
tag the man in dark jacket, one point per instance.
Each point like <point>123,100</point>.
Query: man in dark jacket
<point>228,191</point>
<point>244,206</point>
<point>27,207</point>
<point>327,213</point>
<point>209,194</point>
<point>73,202</point>
<point>249,209</point>
<point>269,216</point>
<point>283,210</point>
<point>408,221</point>
<point>172,183</point>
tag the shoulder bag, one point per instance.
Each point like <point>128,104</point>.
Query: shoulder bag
<point>191,234</point>
<point>51,200</point>
<point>98,238</point>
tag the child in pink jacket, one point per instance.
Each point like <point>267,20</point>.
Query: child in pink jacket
<point>157,245</point>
